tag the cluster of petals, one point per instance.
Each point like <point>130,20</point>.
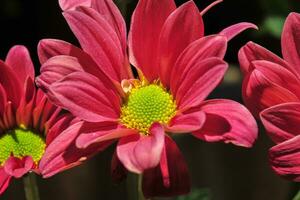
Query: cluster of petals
<point>271,90</point>
<point>165,43</point>
<point>23,106</point>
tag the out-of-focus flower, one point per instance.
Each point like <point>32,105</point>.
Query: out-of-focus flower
<point>271,90</point>
<point>177,68</point>
<point>30,126</point>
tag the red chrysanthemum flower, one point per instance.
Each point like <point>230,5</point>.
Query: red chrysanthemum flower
<point>177,68</point>
<point>271,90</point>
<point>30,126</point>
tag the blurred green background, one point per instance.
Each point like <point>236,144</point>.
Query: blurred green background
<point>218,171</point>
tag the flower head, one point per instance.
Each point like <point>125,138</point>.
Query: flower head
<point>177,68</point>
<point>271,91</point>
<point>32,130</point>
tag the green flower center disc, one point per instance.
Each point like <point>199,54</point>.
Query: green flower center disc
<point>21,143</point>
<point>145,105</point>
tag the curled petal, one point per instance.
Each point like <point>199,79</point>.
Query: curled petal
<point>236,29</point>
<point>290,41</point>
<point>251,52</point>
<point>186,122</point>
<point>17,167</point>
<point>171,177</point>
<point>118,171</point>
<point>227,121</point>
<point>4,180</point>
<point>285,159</point>
<point>138,153</point>
<point>260,93</point>
<point>146,24</point>
<point>99,132</point>
<point>183,26</point>
<point>18,58</point>
<point>282,121</point>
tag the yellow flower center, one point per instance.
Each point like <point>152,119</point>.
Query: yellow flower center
<point>21,143</point>
<point>146,105</point>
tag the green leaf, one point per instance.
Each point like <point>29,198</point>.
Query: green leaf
<point>297,197</point>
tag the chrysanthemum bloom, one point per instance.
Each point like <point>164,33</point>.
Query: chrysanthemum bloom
<point>177,68</point>
<point>271,90</point>
<point>30,126</point>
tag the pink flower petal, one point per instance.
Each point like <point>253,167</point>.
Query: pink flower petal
<point>290,41</point>
<point>4,180</point>
<point>282,121</point>
<point>9,116</point>
<point>285,159</point>
<point>24,111</point>
<point>227,121</point>
<point>72,4</point>
<point>138,153</point>
<point>3,100</point>
<point>99,40</point>
<point>99,132</point>
<point>113,16</point>
<point>17,167</point>
<point>18,58</point>
<point>86,96</point>
<point>259,92</point>
<point>118,171</point>
<point>146,24</point>
<point>186,122</point>
<point>206,47</point>
<point>62,153</point>
<point>171,177</point>
<point>11,83</point>
<point>251,52</point>
<point>57,68</point>
<point>232,31</point>
<point>200,80</point>
<point>182,27</point>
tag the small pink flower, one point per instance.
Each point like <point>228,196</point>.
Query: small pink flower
<point>177,68</point>
<point>271,90</point>
<point>32,130</point>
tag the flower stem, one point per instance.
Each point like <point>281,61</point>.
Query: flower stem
<point>30,187</point>
<point>134,187</point>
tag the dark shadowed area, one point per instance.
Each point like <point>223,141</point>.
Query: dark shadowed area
<point>218,171</point>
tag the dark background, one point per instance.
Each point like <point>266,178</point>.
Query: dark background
<point>218,171</point>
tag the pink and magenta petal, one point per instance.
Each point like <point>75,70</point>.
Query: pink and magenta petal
<point>17,167</point>
<point>182,27</point>
<point>99,132</point>
<point>18,58</point>
<point>4,180</point>
<point>290,41</point>
<point>251,52</point>
<point>87,97</point>
<point>227,121</point>
<point>206,47</point>
<point>200,80</point>
<point>171,177</point>
<point>232,31</point>
<point>285,159</point>
<point>146,25</point>
<point>282,121</point>
<point>186,122</point>
<point>139,152</point>
<point>72,4</point>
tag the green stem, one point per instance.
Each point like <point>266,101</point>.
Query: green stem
<point>30,187</point>
<point>134,187</point>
